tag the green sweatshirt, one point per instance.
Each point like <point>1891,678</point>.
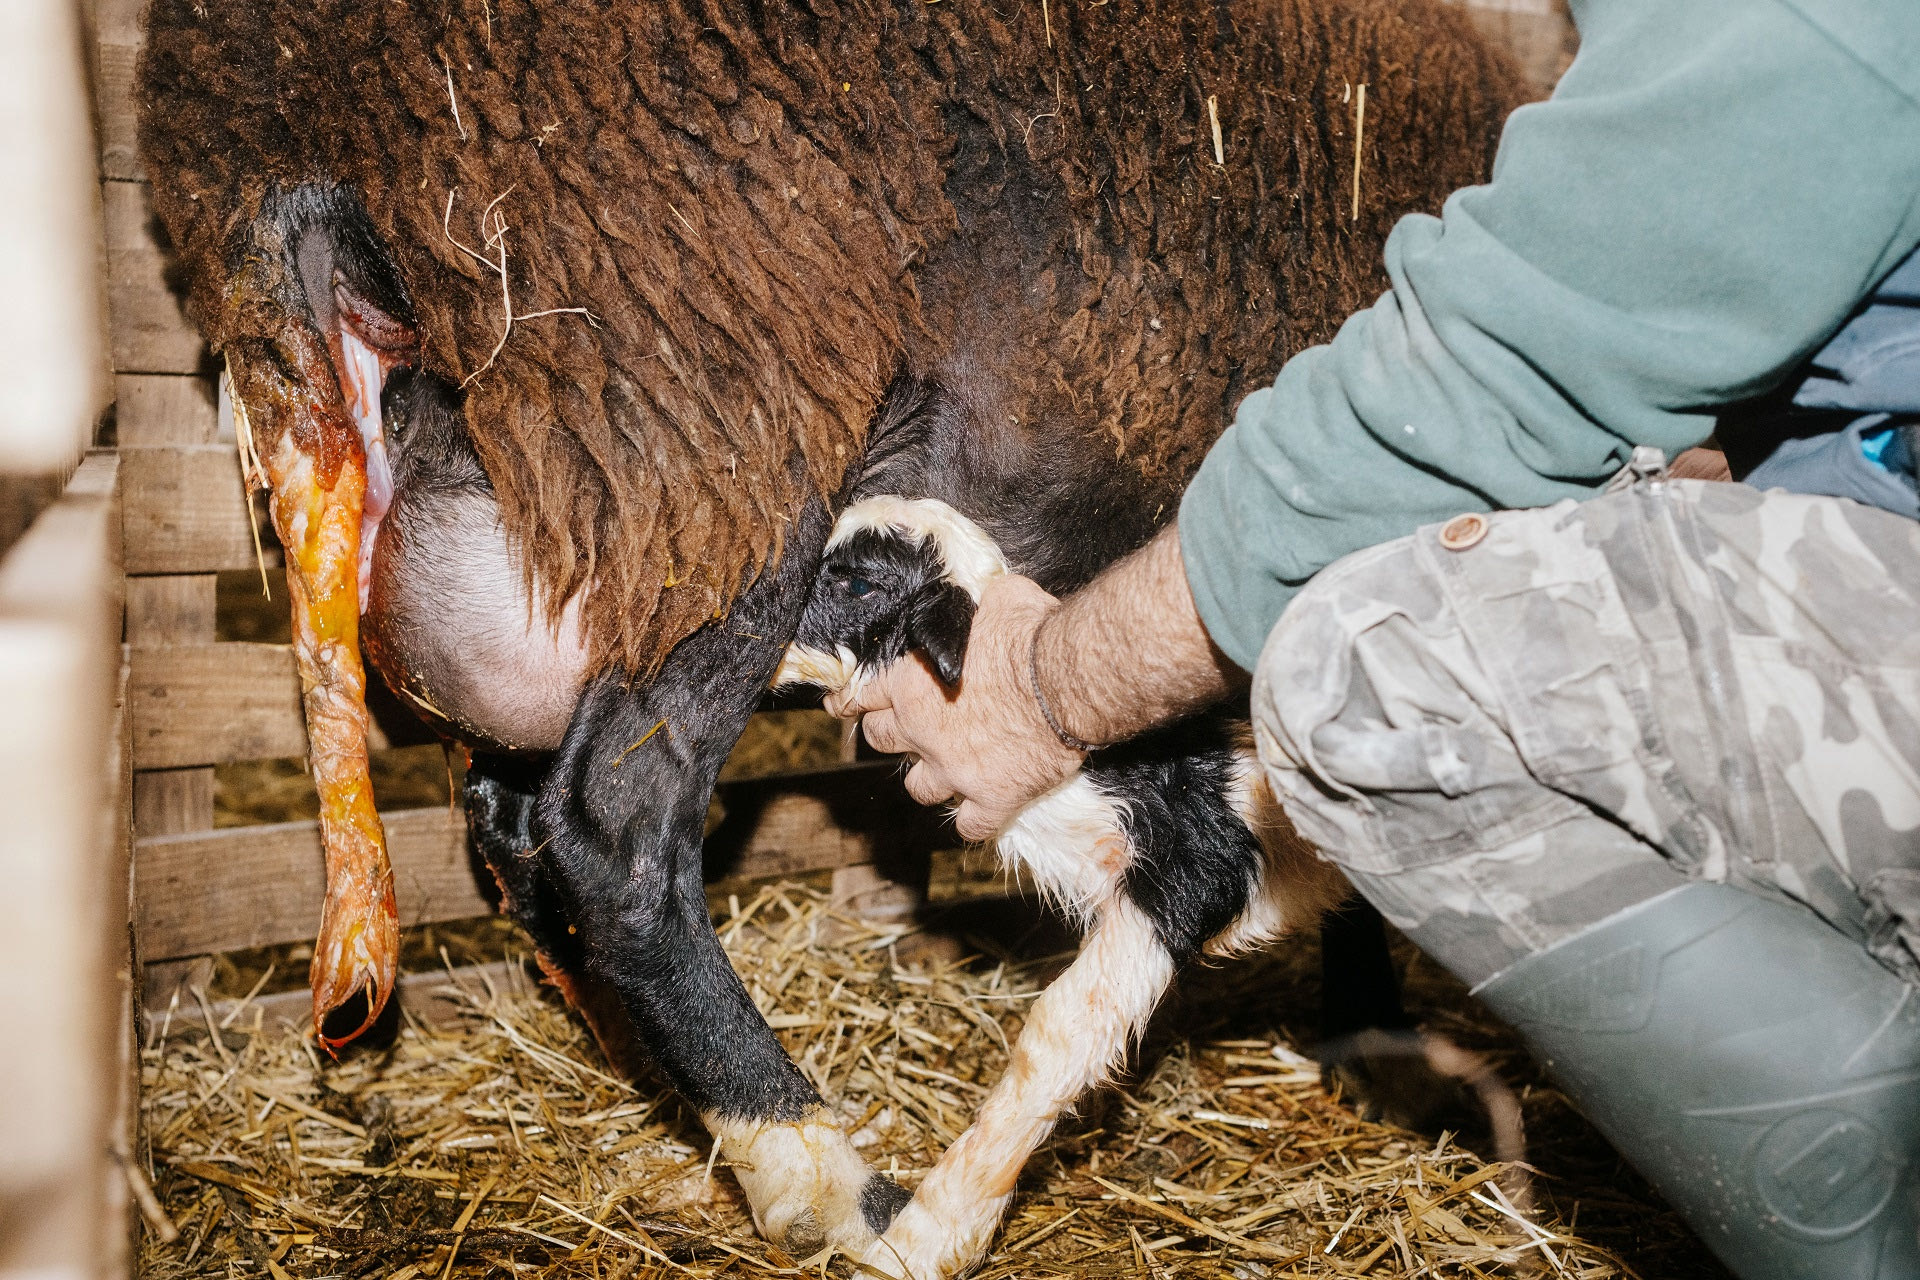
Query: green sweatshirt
<point>1711,190</point>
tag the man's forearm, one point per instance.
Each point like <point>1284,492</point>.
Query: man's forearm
<point>1128,651</point>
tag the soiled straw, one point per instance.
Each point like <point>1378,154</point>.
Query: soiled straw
<point>498,1142</point>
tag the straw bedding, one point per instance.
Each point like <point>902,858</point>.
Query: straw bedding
<point>495,1141</point>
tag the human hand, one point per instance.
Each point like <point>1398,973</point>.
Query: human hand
<point>986,742</point>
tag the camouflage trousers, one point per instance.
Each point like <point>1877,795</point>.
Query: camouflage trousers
<point>1510,727</point>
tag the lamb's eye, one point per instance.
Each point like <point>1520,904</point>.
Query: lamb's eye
<point>857,587</point>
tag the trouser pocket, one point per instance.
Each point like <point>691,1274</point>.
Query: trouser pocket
<point>1382,731</point>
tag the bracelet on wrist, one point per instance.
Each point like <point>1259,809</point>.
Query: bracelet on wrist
<point>1067,740</point>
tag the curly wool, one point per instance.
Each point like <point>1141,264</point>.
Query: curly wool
<point>747,195</point>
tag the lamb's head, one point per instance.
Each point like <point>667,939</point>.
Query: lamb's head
<point>900,576</point>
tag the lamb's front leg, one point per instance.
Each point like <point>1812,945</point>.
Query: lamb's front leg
<point>621,815</point>
<point>1076,1036</point>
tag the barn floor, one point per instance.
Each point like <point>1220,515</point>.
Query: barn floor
<point>498,1142</point>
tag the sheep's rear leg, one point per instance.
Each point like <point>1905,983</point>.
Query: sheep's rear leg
<point>499,799</point>
<point>633,887</point>
<point>1077,1035</point>
<point>622,814</point>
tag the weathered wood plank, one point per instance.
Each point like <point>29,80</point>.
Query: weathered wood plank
<point>171,801</point>
<point>257,886</point>
<point>120,1227</point>
<point>186,510</point>
<point>53,360</point>
<point>119,32</point>
<point>22,499</point>
<point>163,409</point>
<point>149,328</point>
<point>818,821</point>
<point>59,668</point>
<point>116,114</point>
<point>210,703</point>
<point>251,886</point>
<point>175,608</point>
<point>120,21</point>
<point>172,609</point>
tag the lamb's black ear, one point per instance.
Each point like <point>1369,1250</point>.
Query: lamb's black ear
<point>938,622</point>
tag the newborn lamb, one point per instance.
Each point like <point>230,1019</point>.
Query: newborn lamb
<point>1160,849</point>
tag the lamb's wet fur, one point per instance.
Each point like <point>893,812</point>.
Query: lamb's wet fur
<point>773,208</point>
<point>896,579</point>
<point>1161,847</point>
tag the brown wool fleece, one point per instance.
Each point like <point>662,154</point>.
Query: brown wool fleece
<point>747,195</point>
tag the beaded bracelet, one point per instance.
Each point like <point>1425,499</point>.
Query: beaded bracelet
<point>1067,740</point>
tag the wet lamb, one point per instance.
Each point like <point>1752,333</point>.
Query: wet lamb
<point>1161,848</point>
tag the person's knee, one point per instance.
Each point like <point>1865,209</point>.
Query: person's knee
<point>1389,741</point>
<point>1370,714</point>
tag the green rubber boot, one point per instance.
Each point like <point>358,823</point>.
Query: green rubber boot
<point>1755,1065</point>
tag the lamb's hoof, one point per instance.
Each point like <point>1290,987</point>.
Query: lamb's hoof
<point>929,949</point>
<point>808,1187</point>
<point>1388,1078</point>
<point>881,1201</point>
<point>804,1235</point>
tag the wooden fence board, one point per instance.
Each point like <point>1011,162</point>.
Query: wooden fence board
<point>167,609</point>
<point>209,703</point>
<point>119,21</point>
<point>118,121</point>
<point>149,328</point>
<point>174,608</point>
<point>119,30</point>
<point>257,886</point>
<point>186,510</point>
<point>818,821</point>
<point>252,886</point>
<point>166,801</point>
<point>163,409</point>
<point>200,704</point>
<point>120,1227</point>
<point>435,997</point>
<point>59,788</point>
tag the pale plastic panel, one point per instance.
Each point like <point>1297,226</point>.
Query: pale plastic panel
<point>52,353</point>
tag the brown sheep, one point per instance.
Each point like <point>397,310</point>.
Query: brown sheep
<point>669,266</point>
<point>755,202</point>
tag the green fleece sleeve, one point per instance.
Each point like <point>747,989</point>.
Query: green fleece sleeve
<point>1711,190</point>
